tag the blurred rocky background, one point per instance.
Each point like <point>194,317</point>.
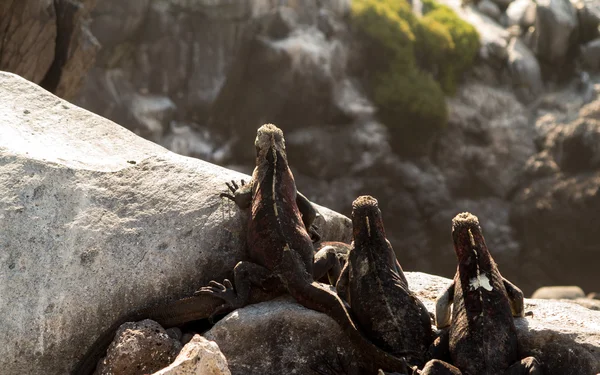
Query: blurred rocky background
<point>433,107</point>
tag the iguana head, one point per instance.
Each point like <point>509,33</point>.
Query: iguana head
<point>467,237</point>
<point>269,138</point>
<point>366,219</point>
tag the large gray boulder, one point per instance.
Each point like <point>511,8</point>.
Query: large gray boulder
<point>97,222</point>
<point>281,336</point>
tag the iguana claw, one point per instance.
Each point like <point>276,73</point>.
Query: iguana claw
<point>233,187</point>
<point>224,291</point>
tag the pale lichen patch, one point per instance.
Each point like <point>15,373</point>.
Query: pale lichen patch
<point>481,281</point>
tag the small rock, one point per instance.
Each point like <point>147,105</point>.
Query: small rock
<point>521,13</point>
<point>558,292</point>
<point>524,70</point>
<point>588,15</point>
<point>503,3</point>
<point>139,348</point>
<point>198,357</point>
<point>590,54</point>
<point>555,22</point>
<point>490,9</point>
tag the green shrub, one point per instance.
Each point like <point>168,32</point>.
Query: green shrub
<point>409,62</point>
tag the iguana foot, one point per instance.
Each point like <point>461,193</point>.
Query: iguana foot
<point>224,291</point>
<point>234,188</point>
<point>314,234</point>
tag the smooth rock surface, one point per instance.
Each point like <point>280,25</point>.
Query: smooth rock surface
<point>198,357</point>
<point>280,336</point>
<point>98,222</point>
<point>555,22</point>
<point>558,292</point>
<point>525,71</point>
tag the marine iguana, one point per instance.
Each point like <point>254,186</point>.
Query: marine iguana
<point>185,310</point>
<point>279,247</point>
<point>482,337</point>
<point>374,284</point>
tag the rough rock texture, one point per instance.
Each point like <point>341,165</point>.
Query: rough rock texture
<point>280,336</point>
<point>564,336</point>
<point>47,42</point>
<point>139,348</point>
<point>199,76</point>
<point>97,222</point>
<point>198,357</point>
<point>556,202</point>
<point>555,26</point>
<point>202,56</point>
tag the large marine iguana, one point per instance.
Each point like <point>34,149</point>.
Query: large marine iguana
<point>279,247</point>
<point>374,284</point>
<point>179,312</point>
<point>482,337</point>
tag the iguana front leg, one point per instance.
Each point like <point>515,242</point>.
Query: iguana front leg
<point>242,196</point>
<point>527,366</point>
<point>245,275</point>
<point>309,214</point>
<point>442,307</point>
<point>329,260</point>
<point>515,297</point>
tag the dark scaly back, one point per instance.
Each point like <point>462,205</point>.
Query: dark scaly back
<point>276,217</point>
<point>388,312</point>
<point>482,335</point>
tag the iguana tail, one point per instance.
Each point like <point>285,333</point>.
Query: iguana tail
<point>314,296</point>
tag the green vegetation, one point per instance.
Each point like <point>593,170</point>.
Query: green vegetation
<point>410,62</point>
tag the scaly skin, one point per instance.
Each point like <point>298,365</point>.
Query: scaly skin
<point>482,334</point>
<point>279,245</point>
<point>375,286</point>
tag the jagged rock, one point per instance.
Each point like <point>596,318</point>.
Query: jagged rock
<point>280,336</point>
<point>96,219</point>
<point>28,34</point>
<point>484,147</point>
<point>558,292</point>
<point>554,213</point>
<point>139,348</point>
<point>524,71</point>
<point>555,24</point>
<point>47,42</point>
<point>588,16</point>
<point>590,54</point>
<point>198,357</point>
<point>76,48</point>
<point>297,75</point>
